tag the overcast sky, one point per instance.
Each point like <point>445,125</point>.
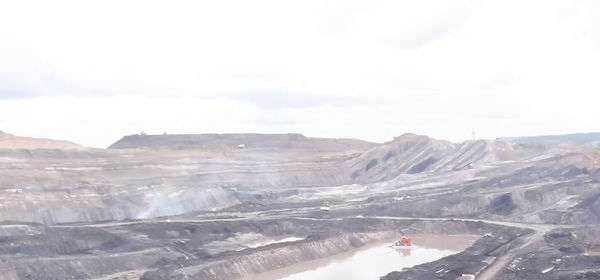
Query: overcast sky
<point>93,71</point>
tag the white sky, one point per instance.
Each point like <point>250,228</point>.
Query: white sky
<point>93,71</point>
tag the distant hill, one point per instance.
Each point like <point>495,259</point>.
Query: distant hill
<point>250,141</point>
<point>9,141</point>
<point>591,139</point>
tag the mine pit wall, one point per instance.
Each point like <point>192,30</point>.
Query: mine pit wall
<point>567,253</point>
<point>474,260</point>
<point>63,199</point>
<point>360,232</point>
<point>282,256</point>
<point>558,202</point>
<point>156,203</point>
<point>51,252</point>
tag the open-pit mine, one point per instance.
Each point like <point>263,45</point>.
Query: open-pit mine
<point>286,206</point>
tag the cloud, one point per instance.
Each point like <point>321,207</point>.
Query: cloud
<point>92,72</point>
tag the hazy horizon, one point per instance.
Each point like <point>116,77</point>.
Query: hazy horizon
<point>500,138</point>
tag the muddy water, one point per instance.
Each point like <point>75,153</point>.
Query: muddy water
<point>372,261</point>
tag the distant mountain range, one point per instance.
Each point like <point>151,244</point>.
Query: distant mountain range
<point>591,139</point>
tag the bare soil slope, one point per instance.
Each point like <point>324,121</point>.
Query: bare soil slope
<point>188,206</point>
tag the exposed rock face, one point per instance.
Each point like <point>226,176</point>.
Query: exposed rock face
<point>159,249</point>
<point>471,261</point>
<point>147,176</point>
<point>562,255</point>
<point>408,153</point>
<point>278,257</point>
<point>502,205</point>
<point>411,154</point>
<point>173,175</point>
<point>220,191</point>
